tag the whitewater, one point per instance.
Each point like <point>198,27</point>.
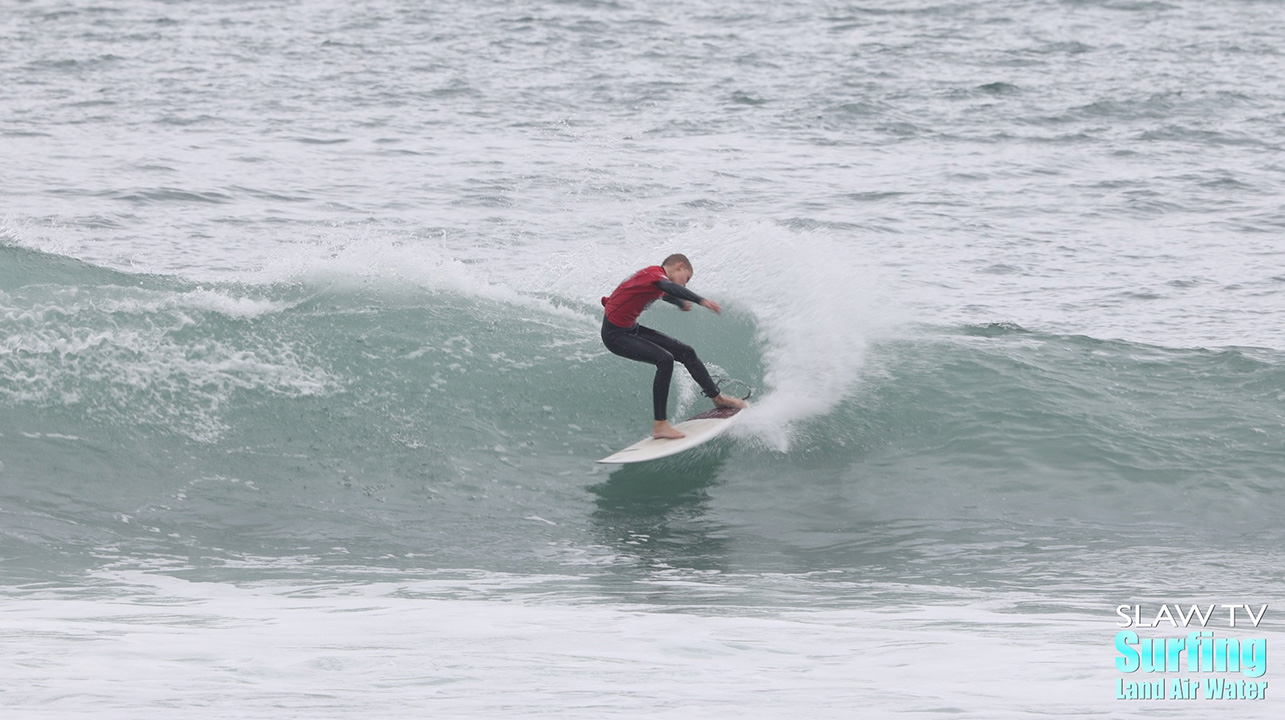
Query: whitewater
<point>301,387</point>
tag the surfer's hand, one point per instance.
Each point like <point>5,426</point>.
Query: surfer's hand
<point>687,305</point>
<point>712,306</point>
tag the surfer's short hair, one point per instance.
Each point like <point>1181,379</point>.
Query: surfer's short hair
<point>677,259</point>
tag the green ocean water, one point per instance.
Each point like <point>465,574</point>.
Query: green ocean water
<point>347,424</point>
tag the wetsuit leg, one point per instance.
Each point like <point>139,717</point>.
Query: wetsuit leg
<point>646,345</point>
<point>684,354</point>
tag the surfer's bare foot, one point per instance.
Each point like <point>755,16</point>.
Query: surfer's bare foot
<point>662,429</point>
<point>728,402</point>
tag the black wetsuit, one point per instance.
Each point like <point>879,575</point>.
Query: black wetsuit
<point>643,344</point>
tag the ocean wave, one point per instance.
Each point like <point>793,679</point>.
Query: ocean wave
<point>282,413</point>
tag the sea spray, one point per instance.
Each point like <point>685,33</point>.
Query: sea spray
<point>816,305</point>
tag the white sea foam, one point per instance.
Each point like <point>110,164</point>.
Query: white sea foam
<point>407,649</point>
<point>114,352</point>
<point>817,303</point>
<point>380,263</point>
<point>225,303</point>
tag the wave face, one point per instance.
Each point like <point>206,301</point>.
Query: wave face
<point>346,424</point>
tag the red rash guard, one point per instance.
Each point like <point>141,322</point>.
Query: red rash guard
<point>634,295</point>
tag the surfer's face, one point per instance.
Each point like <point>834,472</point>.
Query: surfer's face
<point>679,274</point>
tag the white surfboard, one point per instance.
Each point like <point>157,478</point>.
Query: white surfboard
<point>699,430</point>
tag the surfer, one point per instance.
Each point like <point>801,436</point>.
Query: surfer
<point>623,336</point>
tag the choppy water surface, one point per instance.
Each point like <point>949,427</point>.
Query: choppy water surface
<point>300,385</point>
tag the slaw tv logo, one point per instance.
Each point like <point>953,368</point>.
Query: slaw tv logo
<point>1210,663</point>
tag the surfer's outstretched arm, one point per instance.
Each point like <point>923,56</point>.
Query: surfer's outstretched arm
<point>683,305</point>
<point>680,296</point>
<point>676,294</point>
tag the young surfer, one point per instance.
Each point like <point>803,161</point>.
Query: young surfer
<point>623,336</point>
